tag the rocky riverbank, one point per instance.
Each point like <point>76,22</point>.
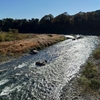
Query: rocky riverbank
<point>73,90</point>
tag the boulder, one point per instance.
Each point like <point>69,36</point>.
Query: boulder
<point>41,63</point>
<point>34,52</point>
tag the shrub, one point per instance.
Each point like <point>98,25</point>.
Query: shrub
<point>90,70</point>
<point>95,84</point>
<point>84,82</point>
<point>13,30</point>
<point>89,78</point>
<point>9,37</point>
<point>96,53</point>
<point>1,38</point>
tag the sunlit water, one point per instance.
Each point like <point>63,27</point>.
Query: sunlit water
<point>21,79</point>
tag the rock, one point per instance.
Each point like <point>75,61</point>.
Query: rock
<point>41,63</point>
<point>69,37</point>
<point>34,52</point>
<point>79,36</point>
<point>74,39</point>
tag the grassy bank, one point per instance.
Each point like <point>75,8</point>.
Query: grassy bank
<point>15,45</point>
<point>90,78</point>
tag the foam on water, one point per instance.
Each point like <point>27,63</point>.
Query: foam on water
<point>20,66</point>
<point>7,90</point>
<point>3,81</point>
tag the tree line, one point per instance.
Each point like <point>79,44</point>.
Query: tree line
<point>63,23</point>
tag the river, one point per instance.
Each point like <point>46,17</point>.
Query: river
<point>21,79</point>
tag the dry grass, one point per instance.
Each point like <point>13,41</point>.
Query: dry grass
<point>18,47</point>
<point>4,36</point>
<point>96,53</point>
<point>90,78</point>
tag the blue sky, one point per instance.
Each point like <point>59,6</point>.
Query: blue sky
<point>18,9</point>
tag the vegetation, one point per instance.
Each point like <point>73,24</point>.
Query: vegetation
<point>14,45</point>
<point>63,23</point>
<point>90,78</point>
<point>5,36</point>
<point>96,53</point>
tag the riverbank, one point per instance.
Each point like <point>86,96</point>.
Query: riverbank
<point>12,49</point>
<point>86,84</point>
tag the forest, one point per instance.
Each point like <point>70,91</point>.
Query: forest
<point>81,23</point>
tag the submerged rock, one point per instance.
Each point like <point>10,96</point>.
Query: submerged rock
<point>41,63</point>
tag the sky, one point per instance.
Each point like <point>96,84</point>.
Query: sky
<point>20,9</point>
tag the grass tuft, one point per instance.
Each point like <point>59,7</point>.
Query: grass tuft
<point>89,79</point>
<point>96,53</point>
<point>90,71</point>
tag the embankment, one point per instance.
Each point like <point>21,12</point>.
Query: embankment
<point>16,48</point>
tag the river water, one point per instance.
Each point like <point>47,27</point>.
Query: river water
<point>21,79</point>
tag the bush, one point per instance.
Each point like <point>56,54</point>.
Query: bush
<point>95,84</point>
<point>13,30</point>
<point>90,70</point>
<point>1,38</point>
<point>96,53</point>
<point>84,82</point>
<point>89,78</point>
<point>9,37</point>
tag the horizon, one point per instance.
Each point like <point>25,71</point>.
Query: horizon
<point>25,9</point>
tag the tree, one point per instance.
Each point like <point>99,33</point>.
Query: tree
<point>6,24</point>
<point>0,25</point>
<point>61,22</point>
<point>45,23</point>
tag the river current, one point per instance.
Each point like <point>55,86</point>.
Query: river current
<point>21,79</point>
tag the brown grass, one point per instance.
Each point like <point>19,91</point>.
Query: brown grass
<point>18,47</point>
